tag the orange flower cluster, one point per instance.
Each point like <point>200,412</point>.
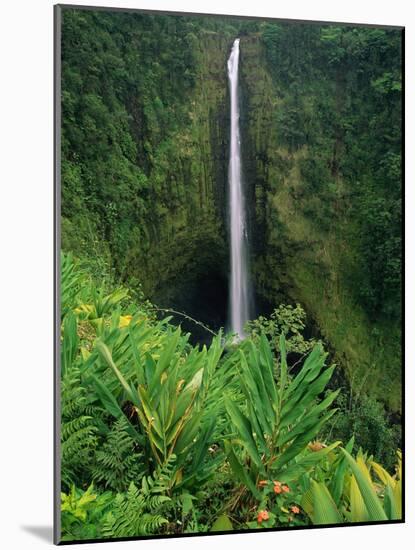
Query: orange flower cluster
<point>262,516</point>
<point>280,488</point>
<point>295,509</point>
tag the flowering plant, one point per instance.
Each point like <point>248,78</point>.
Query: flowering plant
<point>279,505</point>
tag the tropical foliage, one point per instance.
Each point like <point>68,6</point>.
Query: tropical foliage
<point>169,425</point>
<point>159,436</point>
<point>144,132</point>
<point>362,491</point>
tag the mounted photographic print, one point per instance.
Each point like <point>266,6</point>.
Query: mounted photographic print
<point>228,274</point>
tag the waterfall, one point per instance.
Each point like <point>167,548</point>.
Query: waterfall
<point>239,292</point>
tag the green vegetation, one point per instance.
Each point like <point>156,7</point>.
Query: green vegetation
<point>159,436</point>
<point>355,497</point>
<point>141,139</point>
<point>144,147</point>
<point>323,132</point>
<point>165,429</point>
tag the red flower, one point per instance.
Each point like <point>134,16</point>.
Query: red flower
<point>285,488</point>
<point>295,509</point>
<point>262,516</point>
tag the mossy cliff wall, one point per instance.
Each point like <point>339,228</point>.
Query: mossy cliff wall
<point>297,255</point>
<point>185,253</point>
<point>144,154</point>
<point>145,140</point>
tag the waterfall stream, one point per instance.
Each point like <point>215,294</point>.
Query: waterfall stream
<point>239,279</point>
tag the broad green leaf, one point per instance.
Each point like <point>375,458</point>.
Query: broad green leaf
<point>196,381</point>
<point>337,483</point>
<point>167,356</point>
<point>151,414</point>
<point>258,397</point>
<point>269,376</point>
<point>312,366</point>
<point>300,401</point>
<point>188,433</point>
<point>300,442</point>
<point>308,420</point>
<point>392,507</point>
<point>244,428</point>
<point>241,473</point>
<point>283,366</point>
<point>70,343</point>
<point>106,354</point>
<point>111,405</point>
<point>324,508</point>
<point>307,502</point>
<point>222,523</point>
<point>397,494</point>
<point>382,474</point>
<point>374,508</point>
<point>358,511</point>
<point>107,398</point>
<point>204,438</point>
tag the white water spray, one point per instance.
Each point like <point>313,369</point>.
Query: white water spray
<point>239,292</point>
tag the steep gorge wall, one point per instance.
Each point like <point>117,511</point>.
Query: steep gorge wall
<point>296,256</point>
<point>186,250</point>
<point>145,155</point>
<point>144,172</point>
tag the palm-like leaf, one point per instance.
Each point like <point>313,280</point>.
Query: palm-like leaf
<point>168,391</point>
<point>361,499</point>
<point>278,418</point>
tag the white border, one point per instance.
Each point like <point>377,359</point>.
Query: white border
<point>26,208</point>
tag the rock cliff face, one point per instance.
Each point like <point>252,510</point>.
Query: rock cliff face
<point>295,256</point>
<point>184,261</point>
<point>155,200</point>
<point>145,155</point>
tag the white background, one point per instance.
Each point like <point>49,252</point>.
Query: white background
<point>26,301</point>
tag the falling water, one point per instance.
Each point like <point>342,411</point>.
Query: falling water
<point>239,294</point>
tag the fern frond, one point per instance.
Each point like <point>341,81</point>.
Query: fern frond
<point>79,432</point>
<point>162,479</point>
<point>132,515</point>
<point>156,501</point>
<point>118,462</point>
<point>151,523</point>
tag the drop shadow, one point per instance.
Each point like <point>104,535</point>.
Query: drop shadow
<point>43,532</point>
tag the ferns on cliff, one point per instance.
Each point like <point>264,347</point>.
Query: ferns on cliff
<point>160,481</point>
<point>139,511</point>
<point>118,462</point>
<point>137,397</point>
<point>130,517</point>
<point>78,430</point>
